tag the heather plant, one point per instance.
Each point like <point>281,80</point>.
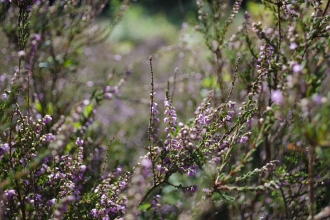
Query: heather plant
<point>255,147</point>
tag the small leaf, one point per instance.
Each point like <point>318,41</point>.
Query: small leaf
<point>144,206</point>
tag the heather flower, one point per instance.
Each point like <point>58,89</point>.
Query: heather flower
<point>170,118</point>
<point>108,95</point>
<point>146,162</point>
<point>21,53</point>
<point>161,169</point>
<point>79,142</point>
<point>293,46</point>
<point>47,119</point>
<point>246,15</point>
<point>94,213</point>
<point>48,137</point>
<point>52,202</point>
<point>243,139</point>
<point>4,148</point>
<point>297,68</point>
<point>122,185</point>
<point>83,168</point>
<point>231,104</point>
<point>192,170</point>
<point>277,97</point>
<point>10,193</point>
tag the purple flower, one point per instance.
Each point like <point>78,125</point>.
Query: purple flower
<point>108,95</point>
<point>297,68</point>
<point>48,137</point>
<point>94,212</point>
<point>10,193</point>
<point>246,15</point>
<point>83,168</point>
<point>231,104</point>
<point>4,148</point>
<point>277,97</point>
<point>293,46</point>
<point>52,202</point>
<point>79,142</point>
<point>194,188</point>
<point>122,185</point>
<point>146,163</point>
<point>317,99</point>
<point>192,170</point>
<point>243,140</point>
<point>47,119</point>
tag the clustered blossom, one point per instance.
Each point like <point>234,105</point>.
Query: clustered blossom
<point>69,175</point>
<point>110,203</point>
<point>170,118</point>
<point>155,120</point>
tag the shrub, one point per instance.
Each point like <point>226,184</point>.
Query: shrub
<point>256,147</point>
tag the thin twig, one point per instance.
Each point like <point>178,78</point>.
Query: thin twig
<point>151,119</point>
<point>311,180</point>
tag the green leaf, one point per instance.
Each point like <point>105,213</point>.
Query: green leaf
<point>144,206</point>
<point>88,110</point>
<point>69,63</point>
<point>38,106</point>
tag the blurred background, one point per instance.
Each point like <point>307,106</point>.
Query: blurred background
<point>162,29</point>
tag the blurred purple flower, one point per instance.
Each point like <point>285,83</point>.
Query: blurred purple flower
<point>146,162</point>
<point>10,193</point>
<point>83,168</point>
<point>4,148</point>
<point>317,99</point>
<point>94,212</point>
<point>108,95</point>
<point>277,97</point>
<point>297,68</point>
<point>47,119</point>
<point>246,15</point>
<point>293,46</point>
